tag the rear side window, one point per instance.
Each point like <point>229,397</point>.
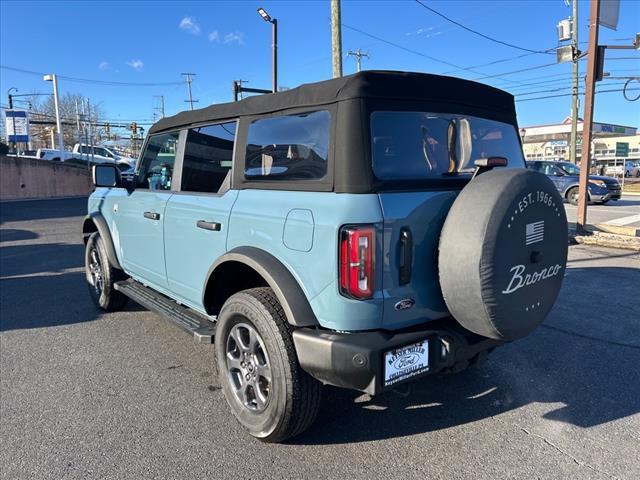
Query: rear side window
<point>289,147</point>
<point>421,145</point>
<point>156,166</point>
<point>208,155</point>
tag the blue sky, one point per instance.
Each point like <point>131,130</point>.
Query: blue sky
<point>153,42</point>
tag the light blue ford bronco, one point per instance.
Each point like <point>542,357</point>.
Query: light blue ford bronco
<point>360,232</point>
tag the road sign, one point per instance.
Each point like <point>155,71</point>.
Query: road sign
<point>609,13</point>
<point>17,125</point>
<point>622,149</point>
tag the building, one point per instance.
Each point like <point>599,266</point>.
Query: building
<point>551,142</point>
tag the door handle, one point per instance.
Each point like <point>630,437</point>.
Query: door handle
<point>152,215</point>
<point>406,255</point>
<point>214,226</point>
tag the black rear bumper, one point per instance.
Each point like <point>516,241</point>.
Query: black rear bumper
<point>355,360</point>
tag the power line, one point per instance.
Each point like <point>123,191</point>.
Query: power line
<point>415,52</point>
<point>479,33</point>
<point>569,94</point>
<point>92,81</point>
<point>558,89</point>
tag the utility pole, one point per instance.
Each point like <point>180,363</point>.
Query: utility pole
<point>573,143</point>
<point>160,107</point>
<point>336,38</point>
<point>585,162</point>
<point>188,79</point>
<point>358,54</point>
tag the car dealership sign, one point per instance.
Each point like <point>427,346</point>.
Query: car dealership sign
<point>17,126</point>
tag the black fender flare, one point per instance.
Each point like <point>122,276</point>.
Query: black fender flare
<point>102,228</point>
<point>287,289</point>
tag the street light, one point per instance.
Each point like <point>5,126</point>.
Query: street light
<point>54,79</point>
<point>10,98</point>
<point>274,45</point>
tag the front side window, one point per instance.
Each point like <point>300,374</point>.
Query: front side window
<point>289,147</point>
<point>208,154</point>
<point>156,166</point>
<point>419,145</point>
<point>569,168</point>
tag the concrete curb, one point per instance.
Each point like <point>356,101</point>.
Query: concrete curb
<point>605,239</point>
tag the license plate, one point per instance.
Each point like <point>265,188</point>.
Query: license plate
<point>406,362</point>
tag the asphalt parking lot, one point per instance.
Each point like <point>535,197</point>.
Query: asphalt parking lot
<point>626,210</point>
<point>127,396</point>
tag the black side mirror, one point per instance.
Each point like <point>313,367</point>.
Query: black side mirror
<point>558,173</point>
<point>106,176</point>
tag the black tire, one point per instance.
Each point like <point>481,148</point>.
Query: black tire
<point>604,202</point>
<point>292,396</point>
<point>97,266</point>
<point>572,196</point>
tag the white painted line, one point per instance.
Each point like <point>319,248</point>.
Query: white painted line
<point>624,220</point>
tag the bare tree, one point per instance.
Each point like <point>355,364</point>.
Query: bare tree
<point>43,110</point>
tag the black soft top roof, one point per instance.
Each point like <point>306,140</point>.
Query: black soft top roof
<point>367,84</point>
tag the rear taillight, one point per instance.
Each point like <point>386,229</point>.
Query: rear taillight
<point>357,261</point>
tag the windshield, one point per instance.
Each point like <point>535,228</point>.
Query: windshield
<point>569,168</point>
<point>420,145</point>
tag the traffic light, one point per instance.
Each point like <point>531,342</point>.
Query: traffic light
<point>133,127</point>
<point>107,131</point>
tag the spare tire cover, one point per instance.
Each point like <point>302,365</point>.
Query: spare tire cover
<point>503,253</point>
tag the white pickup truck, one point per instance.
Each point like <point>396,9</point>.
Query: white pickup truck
<point>82,154</point>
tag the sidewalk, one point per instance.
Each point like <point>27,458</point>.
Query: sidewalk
<point>608,235</point>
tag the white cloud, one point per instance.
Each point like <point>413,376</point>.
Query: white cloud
<point>104,65</point>
<point>234,37</point>
<point>136,64</point>
<point>190,25</point>
<point>214,36</point>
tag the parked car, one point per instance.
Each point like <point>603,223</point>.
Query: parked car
<point>633,168</point>
<point>361,232</point>
<point>616,167</point>
<point>566,176</point>
<point>82,152</point>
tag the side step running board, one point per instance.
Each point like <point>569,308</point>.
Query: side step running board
<point>201,327</point>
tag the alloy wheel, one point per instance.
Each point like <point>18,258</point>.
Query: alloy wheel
<point>248,367</point>
<point>95,270</point>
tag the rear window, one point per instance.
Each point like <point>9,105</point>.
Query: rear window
<point>421,145</point>
<point>288,147</point>
<point>208,155</point>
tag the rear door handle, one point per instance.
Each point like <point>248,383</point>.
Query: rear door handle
<point>215,226</point>
<point>152,215</point>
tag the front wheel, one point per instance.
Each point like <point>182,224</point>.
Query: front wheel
<point>101,276</point>
<point>573,196</point>
<point>268,392</point>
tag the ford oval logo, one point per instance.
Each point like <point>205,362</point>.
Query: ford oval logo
<point>405,304</point>
<point>406,361</point>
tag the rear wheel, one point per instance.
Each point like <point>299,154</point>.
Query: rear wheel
<point>101,276</point>
<point>268,392</point>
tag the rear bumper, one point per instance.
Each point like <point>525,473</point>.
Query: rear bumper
<point>355,360</point>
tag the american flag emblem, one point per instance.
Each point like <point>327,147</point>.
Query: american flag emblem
<point>534,232</point>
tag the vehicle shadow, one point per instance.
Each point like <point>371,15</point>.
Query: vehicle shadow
<point>582,363</point>
<point>45,301</point>
<point>50,208</point>
<point>19,260</point>
<point>14,235</point>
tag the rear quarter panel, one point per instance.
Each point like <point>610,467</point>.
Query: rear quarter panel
<point>259,219</point>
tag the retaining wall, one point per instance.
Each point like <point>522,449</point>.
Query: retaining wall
<point>22,178</point>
